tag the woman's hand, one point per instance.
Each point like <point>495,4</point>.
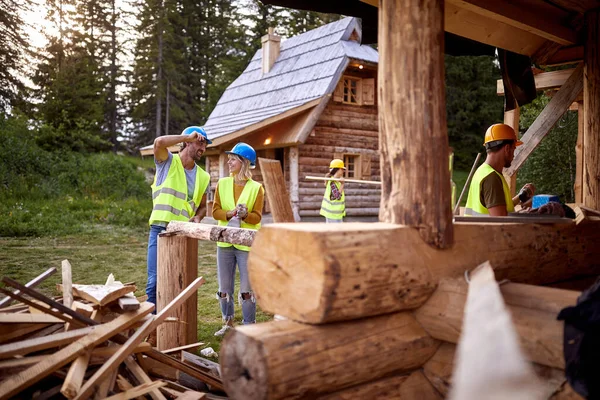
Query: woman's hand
<point>231,213</point>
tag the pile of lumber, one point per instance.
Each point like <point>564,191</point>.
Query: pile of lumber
<point>92,343</point>
<point>374,312</point>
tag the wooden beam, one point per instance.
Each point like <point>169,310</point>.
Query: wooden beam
<point>544,80</point>
<point>591,105</point>
<point>511,118</point>
<point>414,143</point>
<point>548,118</point>
<point>102,295</point>
<point>533,310</point>
<point>488,338</point>
<point>213,233</point>
<point>276,190</point>
<point>74,379</point>
<point>579,154</point>
<point>27,346</point>
<point>177,269</point>
<point>31,284</point>
<point>138,391</point>
<point>28,319</point>
<point>520,17</point>
<point>142,377</point>
<point>135,339</point>
<point>67,281</point>
<point>362,270</point>
<point>318,359</point>
<point>192,346</point>
<point>57,360</point>
<point>293,155</point>
<point>566,55</point>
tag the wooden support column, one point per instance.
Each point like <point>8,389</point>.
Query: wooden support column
<point>511,118</point>
<point>276,190</point>
<point>294,154</point>
<point>591,107</point>
<point>223,171</point>
<point>579,154</point>
<point>177,268</point>
<point>412,118</point>
<point>291,360</point>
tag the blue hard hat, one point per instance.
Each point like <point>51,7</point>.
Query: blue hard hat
<point>244,150</point>
<point>191,129</point>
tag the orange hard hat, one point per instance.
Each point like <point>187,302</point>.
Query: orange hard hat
<point>336,163</point>
<point>500,132</point>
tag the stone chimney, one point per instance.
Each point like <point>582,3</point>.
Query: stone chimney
<point>270,50</point>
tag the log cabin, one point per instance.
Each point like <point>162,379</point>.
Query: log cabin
<point>304,101</point>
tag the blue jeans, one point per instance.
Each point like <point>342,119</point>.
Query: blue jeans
<point>152,258</point>
<point>227,257</point>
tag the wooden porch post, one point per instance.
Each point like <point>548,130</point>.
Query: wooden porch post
<point>579,152</point>
<point>512,118</point>
<point>412,119</point>
<point>294,182</point>
<point>177,268</point>
<point>591,112</point>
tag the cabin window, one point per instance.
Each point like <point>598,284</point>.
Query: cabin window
<point>351,162</point>
<point>351,91</point>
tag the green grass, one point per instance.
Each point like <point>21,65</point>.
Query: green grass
<point>102,250</point>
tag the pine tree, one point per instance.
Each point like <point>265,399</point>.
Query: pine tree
<point>300,21</point>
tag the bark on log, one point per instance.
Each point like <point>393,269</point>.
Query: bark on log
<point>368,269</point>
<point>414,141</point>
<point>591,106</point>
<point>533,311</point>
<point>213,233</point>
<point>290,360</point>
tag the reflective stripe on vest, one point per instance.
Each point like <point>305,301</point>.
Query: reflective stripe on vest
<point>169,200</point>
<point>474,206</point>
<point>333,209</point>
<point>247,197</point>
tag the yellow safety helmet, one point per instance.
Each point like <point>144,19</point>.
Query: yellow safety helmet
<point>499,133</point>
<point>337,163</point>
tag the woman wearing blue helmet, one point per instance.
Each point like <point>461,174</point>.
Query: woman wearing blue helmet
<point>238,202</point>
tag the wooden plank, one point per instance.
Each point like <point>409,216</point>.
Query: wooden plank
<point>487,320</point>
<point>138,391</point>
<point>566,55</point>
<point>191,395</point>
<point>14,331</point>
<point>214,233</point>
<point>64,356</point>
<point>129,303</point>
<point>591,113</point>
<point>31,284</point>
<point>544,80</point>
<point>293,156</point>
<point>30,345</point>
<point>548,118</point>
<point>521,17</point>
<point>67,282</point>
<point>74,378</point>
<point>579,155</point>
<point>136,339</point>
<point>28,319</point>
<point>142,377</point>
<point>533,311</point>
<point>276,190</point>
<point>186,347</point>
<point>415,176</point>
<point>319,359</point>
<point>102,294</point>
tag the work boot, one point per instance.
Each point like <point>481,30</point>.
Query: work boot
<point>228,325</point>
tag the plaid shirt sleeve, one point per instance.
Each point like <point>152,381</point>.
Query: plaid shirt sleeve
<point>335,193</point>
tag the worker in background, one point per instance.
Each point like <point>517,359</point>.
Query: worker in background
<point>333,206</point>
<point>238,202</point>
<point>178,191</point>
<point>489,193</point>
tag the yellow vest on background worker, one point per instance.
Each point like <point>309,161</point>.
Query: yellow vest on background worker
<point>170,199</point>
<point>248,197</point>
<point>333,209</point>
<point>474,206</point>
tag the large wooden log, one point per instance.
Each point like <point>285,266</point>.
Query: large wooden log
<point>489,362</point>
<point>591,106</point>
<point>276,191</point>
<point>177,268</point>
<point>412,114</point>
<point>317,273</point>
<point>533,311</point>
<point>213,233</point>
<point>290,360</point>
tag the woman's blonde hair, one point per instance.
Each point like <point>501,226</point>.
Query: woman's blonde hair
<point>245,171</point>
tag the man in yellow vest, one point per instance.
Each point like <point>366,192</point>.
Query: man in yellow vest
<point>178,191</point>
<point>489,194</point>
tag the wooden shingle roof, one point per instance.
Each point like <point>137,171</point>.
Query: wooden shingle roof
<point>308,67</point>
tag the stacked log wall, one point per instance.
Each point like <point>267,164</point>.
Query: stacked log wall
<point>345,129</point>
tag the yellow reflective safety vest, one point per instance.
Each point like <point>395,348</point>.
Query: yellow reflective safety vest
<point>333,209</point>
<point>170,199</point>
<point>248,197</point>
<point>474,206</point>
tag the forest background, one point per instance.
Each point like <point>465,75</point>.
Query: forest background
<point>112,75</point>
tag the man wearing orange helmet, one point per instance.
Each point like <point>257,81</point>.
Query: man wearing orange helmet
<point>489,193</point>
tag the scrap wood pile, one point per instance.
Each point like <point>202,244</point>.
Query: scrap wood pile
<point>374,312</point>
<point>91,343</point>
